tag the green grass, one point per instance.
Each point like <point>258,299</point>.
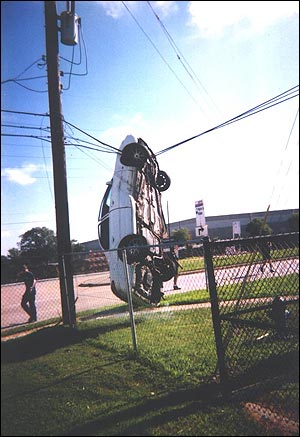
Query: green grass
<point>266,287</point>
<point>197,262</point>
<point>89,380</point>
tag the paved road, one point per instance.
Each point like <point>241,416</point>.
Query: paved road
<point>93,290</point>
<point>48,300</point>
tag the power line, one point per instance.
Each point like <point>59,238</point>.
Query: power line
<point>281,163</point>
<point>27,87</point>
<point>25,223</point>
<point>38,137</point>
<point>25,113</point>
<point>45,163</point>
<point>261,107</point>
<point>71,73</point>
<point>181,58</point>
<point>24,78</point>
<point>162,57</point>
<point>94,138</point>
<point>26,127</point>
<point>26,69</point>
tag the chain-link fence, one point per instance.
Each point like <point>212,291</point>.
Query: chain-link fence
<point>232,315</point>
<point>256,285</point>
<point>91,289</point>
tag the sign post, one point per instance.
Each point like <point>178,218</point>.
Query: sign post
<point>201,229</point>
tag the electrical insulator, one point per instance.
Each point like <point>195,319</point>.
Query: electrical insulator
<point>69,28</point>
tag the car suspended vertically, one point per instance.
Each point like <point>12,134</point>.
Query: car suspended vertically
<point>131,218</point>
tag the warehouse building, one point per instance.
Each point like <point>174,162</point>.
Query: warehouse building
<point>222,226</point>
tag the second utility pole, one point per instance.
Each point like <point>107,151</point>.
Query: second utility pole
<point>59,167</point>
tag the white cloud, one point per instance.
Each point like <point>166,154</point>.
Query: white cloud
<point>116,10</point>
<point>134,124</point>
<point>165,7</point>
<point>214,17</point>
<point>22,175</point>
<point>113,9</point>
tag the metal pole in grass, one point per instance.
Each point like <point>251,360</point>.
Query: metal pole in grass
<point>130,306</point>
<point>71,321</point>
<point>215,312</point>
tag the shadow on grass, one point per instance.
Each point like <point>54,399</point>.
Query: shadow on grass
<point>48,340</point>
<point>120,310</point>
<point>151,413</point>
<point>285,364</point>
<point>14,325</point>
<point>138,420</point>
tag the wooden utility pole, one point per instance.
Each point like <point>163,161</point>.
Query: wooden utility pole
<point>59,166</point>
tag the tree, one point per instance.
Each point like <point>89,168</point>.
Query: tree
<point>77,247</point>
<point>9,270</point>
<point>38,249</point>
<point>11,266</point>
<point>182,234</point>
<point>293,222</point>
<point>258,227</point>
<point>39,242</point>
<point>13,253</point>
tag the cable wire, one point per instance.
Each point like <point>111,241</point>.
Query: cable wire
<point>156,49</point>
<point>252,111</point>
<point>26,113</point>
<point>96,139</point>
<point>181,58</point>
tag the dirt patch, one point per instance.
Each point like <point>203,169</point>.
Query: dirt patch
<point>271,420</point>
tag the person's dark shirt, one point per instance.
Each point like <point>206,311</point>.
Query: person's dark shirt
<point>28,279</point>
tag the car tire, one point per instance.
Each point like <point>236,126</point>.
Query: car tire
<point>134,155</point>
<point>166,267</point>
<point>162,181</point>
<point>134,252</point>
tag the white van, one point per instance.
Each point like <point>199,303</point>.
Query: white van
<point>131,218</point>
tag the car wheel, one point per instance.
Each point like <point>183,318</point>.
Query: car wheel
<point>166,267</point>
<point>134,155</point>
<point>162,181</point>
<point>134,252</point>
<point>144,279</point>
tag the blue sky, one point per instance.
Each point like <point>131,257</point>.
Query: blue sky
<point>165,72</point>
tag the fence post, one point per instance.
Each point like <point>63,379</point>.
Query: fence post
<point>215,311</point>
<point>72,321</point>
<point>130,306</point>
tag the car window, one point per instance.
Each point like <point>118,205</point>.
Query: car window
<point>105,204</point>
<point>103,218</point>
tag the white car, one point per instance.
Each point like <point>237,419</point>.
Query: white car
<point>131,218</point>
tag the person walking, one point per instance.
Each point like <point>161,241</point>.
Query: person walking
<point>265,249</point>
<point>28,298</point>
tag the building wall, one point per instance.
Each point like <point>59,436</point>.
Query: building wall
<point>220,226</point>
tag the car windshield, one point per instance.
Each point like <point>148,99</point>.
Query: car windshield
<point>103,218</point>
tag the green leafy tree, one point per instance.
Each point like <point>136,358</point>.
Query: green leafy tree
<point>182,234</point>
<point>9,270</point>
<point>293,223</point>
<point>13,253</point>
<point>258,227</point>
<point>11,266</point>
<point>76,247</point>
<point>39,242</point>
<point>38,248</point>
